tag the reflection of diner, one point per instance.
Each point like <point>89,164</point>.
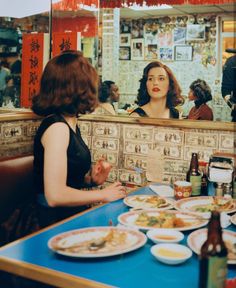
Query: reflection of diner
<point>200,93</point>
<point>108,96</point>
<point>159,93</point>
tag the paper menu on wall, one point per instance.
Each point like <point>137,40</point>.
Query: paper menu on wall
<point>155,166</point>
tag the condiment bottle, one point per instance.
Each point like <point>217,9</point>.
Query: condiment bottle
<point>213,256</point>
<point>219,189</point>
<point>227,189</point>
<point>204,183</point>
<point>194,176</point>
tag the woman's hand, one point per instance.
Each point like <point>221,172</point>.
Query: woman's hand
<point>114,192</point>
<point>100,171</point>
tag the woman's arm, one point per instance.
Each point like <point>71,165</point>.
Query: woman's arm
<point>55,141</point>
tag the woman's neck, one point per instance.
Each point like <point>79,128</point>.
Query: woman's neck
<point>157,108</point>
<point>71,120</point>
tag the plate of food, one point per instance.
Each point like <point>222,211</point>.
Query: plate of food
<point>96,242</point>
<point>196,239</point>
<point>149,202</point>
<point>206,204</point>
<point>169,219</point>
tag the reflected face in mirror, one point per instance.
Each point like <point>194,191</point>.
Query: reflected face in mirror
<point>115,94</point>
<point>157,83</point>
<point>191,96</point>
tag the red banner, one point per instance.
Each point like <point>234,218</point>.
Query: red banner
<point>32,59</point>
<point>74,5</point>
<point>64,41</point>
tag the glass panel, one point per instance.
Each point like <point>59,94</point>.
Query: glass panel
<point>229,26</point>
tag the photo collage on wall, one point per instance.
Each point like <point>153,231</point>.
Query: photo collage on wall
<point>165,39</point>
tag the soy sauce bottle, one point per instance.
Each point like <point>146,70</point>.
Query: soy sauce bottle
<point>194,176</point>
<point>213,256</point>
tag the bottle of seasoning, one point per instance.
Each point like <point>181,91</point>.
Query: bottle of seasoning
<point>213,256</point>
<point>219,189</point>
<point>194,176</point>
<point>227,189</point>
<point>204,184</point>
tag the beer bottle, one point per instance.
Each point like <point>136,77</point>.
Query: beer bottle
<point>204,184</point>
<point>213,256</point>
<point>194,176</point>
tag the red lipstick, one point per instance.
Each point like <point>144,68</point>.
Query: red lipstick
<point>156,89</point>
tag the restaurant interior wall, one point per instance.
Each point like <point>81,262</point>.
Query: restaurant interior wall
<point>129,146</point>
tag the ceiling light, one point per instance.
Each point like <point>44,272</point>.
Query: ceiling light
<point>154,7</point>
<point>92,8</point>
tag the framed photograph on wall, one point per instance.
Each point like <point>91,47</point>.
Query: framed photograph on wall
<point>151,52</point>
<point>179,35</point>
<point>125,39</point>
<point>124,53</point>
<point>137,49</point>
<point>183,53</point>
<point>166,53</point>
<point>195,32</point>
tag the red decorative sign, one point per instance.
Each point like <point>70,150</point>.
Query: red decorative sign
<point>32,59</point>
<point>64,41</point>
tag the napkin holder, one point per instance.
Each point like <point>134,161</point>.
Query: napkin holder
<point>221,169</point>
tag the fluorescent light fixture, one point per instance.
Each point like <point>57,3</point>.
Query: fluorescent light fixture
<point>154,7</point>
<point>24,8</point>
<point>91,8</point>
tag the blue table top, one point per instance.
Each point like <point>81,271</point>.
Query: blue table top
<point>135,269</point>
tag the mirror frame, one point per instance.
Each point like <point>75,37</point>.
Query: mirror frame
<point>178,123</point>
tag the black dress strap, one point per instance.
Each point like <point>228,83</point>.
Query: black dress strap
<point>140,112</point>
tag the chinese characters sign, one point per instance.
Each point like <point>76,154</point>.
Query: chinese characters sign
<point>65,41</point>
<point>33,57</point>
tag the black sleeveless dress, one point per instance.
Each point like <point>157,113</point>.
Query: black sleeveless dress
<point>174,113</point>
<point>78,164</point>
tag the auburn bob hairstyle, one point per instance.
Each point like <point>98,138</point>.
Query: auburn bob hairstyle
<point>68,86</point>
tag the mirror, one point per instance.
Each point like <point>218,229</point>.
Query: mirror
<point>109,37</point>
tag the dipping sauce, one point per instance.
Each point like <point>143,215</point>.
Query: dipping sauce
<point>170,253</point>
<point>165,237</point>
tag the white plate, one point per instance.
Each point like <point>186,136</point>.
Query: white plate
<point>148,202</point>
<point>233,219</point>
<point>192,220</point>
<point>190,204</point>
<point>122,240</point>
<point>198,237</point>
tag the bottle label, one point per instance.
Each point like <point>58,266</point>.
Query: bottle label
<point>196,182</point>
<point>217,271</point>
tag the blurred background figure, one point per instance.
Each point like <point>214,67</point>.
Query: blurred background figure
<point>4,72</point>
<point>159,93</point>
<point>228,87</point>
<point>200,93</point>
<point>108,96</point>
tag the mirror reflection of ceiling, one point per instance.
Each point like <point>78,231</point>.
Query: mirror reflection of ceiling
<point>126,12</point>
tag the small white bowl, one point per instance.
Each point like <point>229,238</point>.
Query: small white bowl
<point>165,235</point>
<point>170,253</point>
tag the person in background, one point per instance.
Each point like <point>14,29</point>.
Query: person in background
<point>228,87</point>
<point>62,161</point>
<point>159,93</point>
<point>108,96</point>
<point>200,93</point>
<point>4,72</point>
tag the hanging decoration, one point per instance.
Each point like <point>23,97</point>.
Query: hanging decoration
<point>74,5</point>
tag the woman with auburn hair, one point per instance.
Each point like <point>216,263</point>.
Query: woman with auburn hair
<point>200,93</point>
<point>62,161</point>
<point>159,93</point>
